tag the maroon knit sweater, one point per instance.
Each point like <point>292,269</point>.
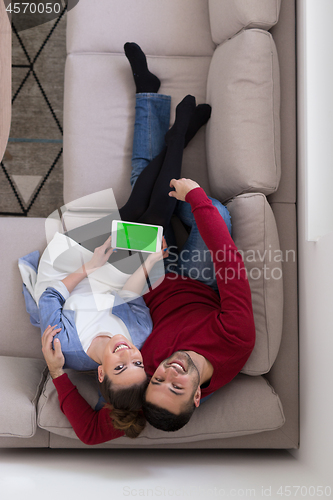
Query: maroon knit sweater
<point>189,315</point>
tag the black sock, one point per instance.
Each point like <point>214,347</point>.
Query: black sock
<point>184,112</point>
<point>145,81</point>
<point>199,118</point>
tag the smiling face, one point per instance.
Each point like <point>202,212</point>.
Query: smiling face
<point>122,363</point>
<point>175,383</point>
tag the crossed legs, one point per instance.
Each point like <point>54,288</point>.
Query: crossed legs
<point>149,201</point>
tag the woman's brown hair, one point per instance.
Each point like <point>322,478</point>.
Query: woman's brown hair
<point>125,406</point>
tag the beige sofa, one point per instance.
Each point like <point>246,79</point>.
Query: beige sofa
<point>221,52</point>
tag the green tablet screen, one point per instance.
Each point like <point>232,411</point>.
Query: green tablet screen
<point>136,237</point>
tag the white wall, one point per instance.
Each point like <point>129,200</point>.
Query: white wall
<point>315,43</point>
<point>315,133</point>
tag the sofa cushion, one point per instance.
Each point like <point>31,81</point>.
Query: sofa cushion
<point>163,27</point>
<point>231,16</point>
<point>255,234</point>
<point>243,134</point>
<point>246,405</point>
<point>99,119</point>
<point>89,209</point>
<point>23,235</point>
<point>21,381</point>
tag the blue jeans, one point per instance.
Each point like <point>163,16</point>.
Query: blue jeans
<point>194,260</point>
<point>152,118</point>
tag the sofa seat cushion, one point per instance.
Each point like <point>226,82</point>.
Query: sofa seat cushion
<point>88,209</point>
<point>231,16</point>
<point>247,405</point>
<point>255,233</point>
<point>163,27</point>
<point>21,382</point>
<point>21,235</point>
<point>243,134</point>
<point>99,119</point>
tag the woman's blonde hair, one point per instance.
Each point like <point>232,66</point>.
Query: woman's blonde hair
<point>125,406</point>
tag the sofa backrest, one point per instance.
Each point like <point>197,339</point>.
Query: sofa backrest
<point>229,17</point>
<point>243,134</point>
<point>162,28</point>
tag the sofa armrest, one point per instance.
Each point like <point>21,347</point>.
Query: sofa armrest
<point>21,382</point>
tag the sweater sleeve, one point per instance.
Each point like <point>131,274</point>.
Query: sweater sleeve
<point>90,426</point>
<point>50,308</point>
<point>236,314</point>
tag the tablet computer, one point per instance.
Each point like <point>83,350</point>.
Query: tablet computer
<point>136,236</point>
